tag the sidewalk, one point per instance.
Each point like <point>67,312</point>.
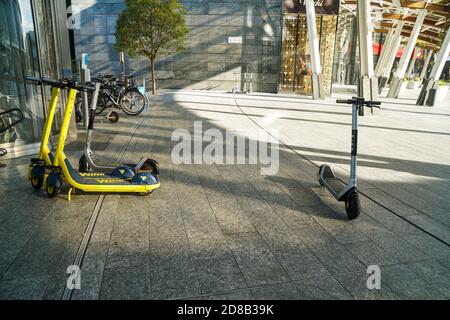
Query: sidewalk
<point>225,231</point>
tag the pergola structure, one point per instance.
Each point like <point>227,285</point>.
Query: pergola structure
<point>423,24</point>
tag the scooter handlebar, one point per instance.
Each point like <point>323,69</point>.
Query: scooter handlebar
<point>349,101</point>
<point>361,102</point>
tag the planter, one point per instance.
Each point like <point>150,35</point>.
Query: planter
<point>441,93</point>
<point>412,85</point>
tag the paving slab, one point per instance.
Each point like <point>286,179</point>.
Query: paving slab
<point>224,231</point>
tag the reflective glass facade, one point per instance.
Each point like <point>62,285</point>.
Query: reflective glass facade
<point>30,44</point>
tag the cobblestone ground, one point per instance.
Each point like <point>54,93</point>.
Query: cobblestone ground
<point>226,231</point>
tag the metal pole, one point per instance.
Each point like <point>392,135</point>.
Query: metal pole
<point>85,76</point>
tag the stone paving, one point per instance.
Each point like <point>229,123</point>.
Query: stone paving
<point>226,231</point>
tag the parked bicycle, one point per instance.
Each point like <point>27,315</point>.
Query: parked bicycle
<point>121,93</point>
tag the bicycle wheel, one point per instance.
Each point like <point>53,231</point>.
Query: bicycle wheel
<point>133,102</point>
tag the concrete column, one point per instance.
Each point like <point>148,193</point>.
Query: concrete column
<point>428,92</point>
<point>396,83</point>
<point>368,83</point>
<point>317,79</point>
<point>390,58</point>
<point>425,65</point>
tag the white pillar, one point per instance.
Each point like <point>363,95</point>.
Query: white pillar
<point>368,84</point>
<point>365,38</point>
<point>386,46</point>
<point>386,71</point>
<point>431,84</point>
<point>312,35</point>
<point>317,79</point>
<point>441,58</point>
<point>425,65</point>
<point>412,64</point>
<point>406,56</point>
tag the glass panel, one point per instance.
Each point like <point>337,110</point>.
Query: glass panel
<point>346,57</point>
<point>296,68</point>
<point>48,58</point>
<point>289,53</point>
<point>18,54</point>
<point>327,41</point>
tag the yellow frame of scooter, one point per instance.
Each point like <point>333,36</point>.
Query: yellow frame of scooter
<point>44,150</point>
<point>60,159</point>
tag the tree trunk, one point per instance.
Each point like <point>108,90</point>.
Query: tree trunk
<point>152,62</point>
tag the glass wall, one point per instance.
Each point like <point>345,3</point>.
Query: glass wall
<point>18,53</point>
<point>296,56</point>
<point>28,46</point>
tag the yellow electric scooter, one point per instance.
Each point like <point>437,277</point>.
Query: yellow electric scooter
<point>45,158</point>
<point>62,170</point>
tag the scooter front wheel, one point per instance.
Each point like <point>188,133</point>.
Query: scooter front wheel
<point>52,191</point>
<point>37,177</point>
<point>83,165</point>
<point>353,205</point>
<point>318,175</point>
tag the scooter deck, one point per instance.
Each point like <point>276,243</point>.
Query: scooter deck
<point>333,185</point>
<point>97,178</point>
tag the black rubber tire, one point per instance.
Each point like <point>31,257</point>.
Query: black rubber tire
<point>52,191</point>
<point>83,165</point>
<point>155,167</point>
<point>37,182</point>
<point>113,117</point>
<point>128,109</point>
<point>318,175</point>
<point>353,205</point>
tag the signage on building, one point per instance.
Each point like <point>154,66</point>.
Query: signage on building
<point>330,7</point>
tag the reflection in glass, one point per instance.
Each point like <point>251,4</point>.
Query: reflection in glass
<point>296,56</point>
<point>18,58</point>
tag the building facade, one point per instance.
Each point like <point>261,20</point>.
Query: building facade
<point>261,45</point>
<point>33,42</point>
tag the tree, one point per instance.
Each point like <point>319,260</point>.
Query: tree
<point>150,28</point>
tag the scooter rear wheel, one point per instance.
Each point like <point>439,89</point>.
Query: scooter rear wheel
<point>353,205</point>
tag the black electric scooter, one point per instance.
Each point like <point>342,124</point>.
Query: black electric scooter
<point>327,178</point>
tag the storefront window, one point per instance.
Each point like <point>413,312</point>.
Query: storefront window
<point>296,56</point>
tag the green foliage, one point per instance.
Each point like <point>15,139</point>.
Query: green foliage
<point>150,28</point>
